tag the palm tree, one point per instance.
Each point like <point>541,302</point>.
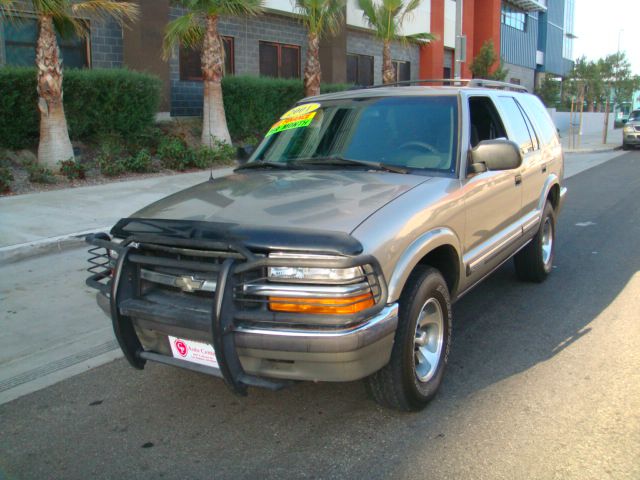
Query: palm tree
<point>320,17</point>
<point>66,17</point>
<point>198,28</point>
<point>386,18</point>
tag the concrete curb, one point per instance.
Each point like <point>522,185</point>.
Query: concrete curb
<point>45,246</point>
<point>592,150</point>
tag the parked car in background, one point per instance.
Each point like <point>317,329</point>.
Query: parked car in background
<point>336,252</point>
<point>631,131</point>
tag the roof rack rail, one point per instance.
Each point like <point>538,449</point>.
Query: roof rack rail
<point>456,82</point>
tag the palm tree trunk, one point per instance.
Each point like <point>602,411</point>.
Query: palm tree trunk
<point>388,74</point>
<point>312,70</point>
<point>54,145</point>
<point>214,121</point>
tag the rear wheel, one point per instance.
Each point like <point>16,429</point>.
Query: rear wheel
<point>535,261</point>
<point>421,347</point>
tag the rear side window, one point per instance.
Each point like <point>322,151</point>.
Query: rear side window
<point>517,124</point>
<point>540,117</point>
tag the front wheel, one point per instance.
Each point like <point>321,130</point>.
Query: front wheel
<point>421,346</point>
<point>535,261</point>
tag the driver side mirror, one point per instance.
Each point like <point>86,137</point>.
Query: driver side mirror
<point>495,155</point>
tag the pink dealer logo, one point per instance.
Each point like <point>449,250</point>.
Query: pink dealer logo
<point>181,347</point>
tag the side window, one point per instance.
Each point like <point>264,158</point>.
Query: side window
<point>485,122</point>
<point>517,125</point>
<point>540,117</point>
<point>532,131</point>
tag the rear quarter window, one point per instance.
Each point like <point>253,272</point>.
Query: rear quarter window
<point>540,117</point>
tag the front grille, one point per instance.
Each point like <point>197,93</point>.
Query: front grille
<point>170,275</point>
<point>637,128</point>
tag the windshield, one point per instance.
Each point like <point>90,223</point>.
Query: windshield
<point>634,116</point>
<point>411,132</point>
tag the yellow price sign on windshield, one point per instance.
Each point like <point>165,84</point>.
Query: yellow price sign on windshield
<point>301,110</point>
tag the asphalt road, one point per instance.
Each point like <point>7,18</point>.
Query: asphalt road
<point>543,382</point>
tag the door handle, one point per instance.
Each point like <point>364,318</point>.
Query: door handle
<point>518,180</point>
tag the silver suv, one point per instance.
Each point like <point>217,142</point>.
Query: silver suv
<point>336,251</point>
<point>631,131</point>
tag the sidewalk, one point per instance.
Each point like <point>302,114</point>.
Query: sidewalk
<point>46,222</point>
<point>59,219</point>
<point>591,143</point>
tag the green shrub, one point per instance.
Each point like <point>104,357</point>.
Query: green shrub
<point>141,162</point>
<point>72,169</point>
<point>253,104</point>
<point>6,177</point>
<point>39,174</point>
<point>174,154</point>
<point>95,101</point>
<point>109,158</point>
<point>220,154</point>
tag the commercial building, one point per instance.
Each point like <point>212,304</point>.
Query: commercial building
<point>536,39</point>
<point>532,37</point>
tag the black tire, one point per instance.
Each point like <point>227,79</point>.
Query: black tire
<point>397,384</point>
<point>626,147</point>
<point>530,261</point>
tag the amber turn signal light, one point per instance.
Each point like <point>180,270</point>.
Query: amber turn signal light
<point>329,306</point>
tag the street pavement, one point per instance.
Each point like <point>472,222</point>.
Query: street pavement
<point>543,380</point>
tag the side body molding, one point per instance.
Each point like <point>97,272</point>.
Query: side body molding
<point>420,247</point>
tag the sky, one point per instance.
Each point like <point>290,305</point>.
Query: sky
<point>599,24</point>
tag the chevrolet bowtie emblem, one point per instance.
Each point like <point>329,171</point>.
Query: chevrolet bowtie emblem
<point>188,283</point>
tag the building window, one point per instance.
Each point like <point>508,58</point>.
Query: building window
<point>360,69</point>
<point>515,81</point>
<point>191,66</point>
<point>448,63</point>
<point>279,60</point>
<point>513,17</point>
<point>20,39</point>
<point>401,70</point>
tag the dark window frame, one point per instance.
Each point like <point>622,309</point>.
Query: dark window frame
<point>186,76</point>
<point>358,76</point>
<point>396,69</point>
<point>279,47</point>
<point>84,46</point>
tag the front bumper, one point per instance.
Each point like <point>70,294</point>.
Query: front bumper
<point>631,139</point>
<point>335,355</point>
<point>253,347</point>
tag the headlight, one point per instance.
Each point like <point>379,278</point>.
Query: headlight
<point>628,129</point>
<point>312,273</point>
<point>351,303</point>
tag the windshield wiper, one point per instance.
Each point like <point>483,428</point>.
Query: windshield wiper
<point>350,161</point>
<point>262,164</point>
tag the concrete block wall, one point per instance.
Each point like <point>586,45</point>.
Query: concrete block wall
<point>364,43</point>
<point>186,96</point>
<point>592,122</point>
<point>106,44</point>
<point>524,74</point>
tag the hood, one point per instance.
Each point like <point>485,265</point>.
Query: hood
<point>322,200</point>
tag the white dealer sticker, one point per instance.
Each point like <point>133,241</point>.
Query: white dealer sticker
<point>195,352</point>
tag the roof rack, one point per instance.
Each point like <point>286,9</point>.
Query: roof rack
<point>457,82</point>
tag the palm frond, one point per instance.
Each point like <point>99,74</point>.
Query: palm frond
<point>320,16</point>
<point>370,13</point>
<point>409,10</point>
<point>67,26</point>
<point>187,30</point>
<point>7,8</point>
<point>420,38</point>
<point>107,9</point>
<point>234,8</point>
